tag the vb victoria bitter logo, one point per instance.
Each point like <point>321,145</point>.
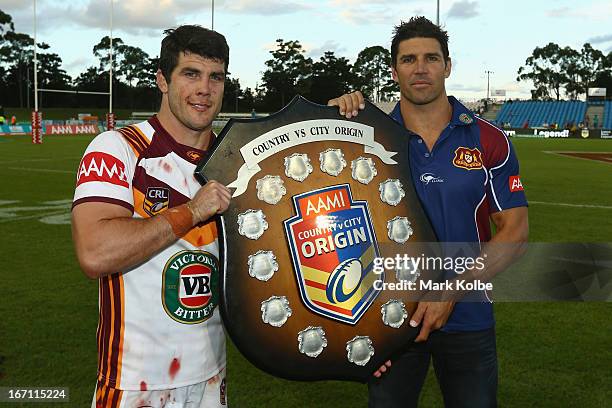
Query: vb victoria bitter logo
<point>190,281</point>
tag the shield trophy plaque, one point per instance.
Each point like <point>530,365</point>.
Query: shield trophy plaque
<point>317,198</point>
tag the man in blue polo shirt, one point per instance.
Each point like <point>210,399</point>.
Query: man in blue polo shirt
<point>466,174</point>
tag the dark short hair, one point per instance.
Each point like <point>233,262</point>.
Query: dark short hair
<point>418,27</point>
<point>191,39</point>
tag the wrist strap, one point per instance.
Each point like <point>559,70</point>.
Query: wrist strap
<point>180,219</point>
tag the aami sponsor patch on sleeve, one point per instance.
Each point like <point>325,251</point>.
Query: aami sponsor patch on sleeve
<point>103,167</point>
<point>515,183</point>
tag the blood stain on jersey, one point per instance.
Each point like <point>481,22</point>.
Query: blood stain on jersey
<point>156,200</point>
<point>333,246</point>
<point>466,158</point>
<point>175,366</point>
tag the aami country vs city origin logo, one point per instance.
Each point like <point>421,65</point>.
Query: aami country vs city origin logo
<point>189,290</point>
<point>333,246</point>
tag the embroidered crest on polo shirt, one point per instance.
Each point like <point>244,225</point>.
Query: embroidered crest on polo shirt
<point>466,158</point>
<point>465,118</point>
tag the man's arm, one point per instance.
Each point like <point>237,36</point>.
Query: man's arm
<point>107,239</point>
<point>504,248</point>
<point>507,245</point>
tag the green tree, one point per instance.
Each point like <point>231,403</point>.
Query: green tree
<point>331,77</point>
<point>544,69</point>
<point>90,80</point>
<point>288,73</point>
<point>16,53</point>
<point>6,23</point>
<point>231,95</point>
<point>133,74</point>
<point>553,69</point>
<point>135,66</point>
<point>102,51</point>
<point>148,75</point>
<point>50,72</point>
<point>373,73</point>
<point>17,60</point>
<point>603,79</point>
<point>248,100</point>
<point>236,99</point>
<point>589,62</point>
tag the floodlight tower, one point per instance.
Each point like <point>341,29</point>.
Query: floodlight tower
<point>488,77</point>
<point>110,116</point>
<point>438,13</point>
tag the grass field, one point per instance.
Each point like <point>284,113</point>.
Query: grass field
<point>551,354</point>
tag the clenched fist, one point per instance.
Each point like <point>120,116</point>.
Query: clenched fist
<point>213,198</point>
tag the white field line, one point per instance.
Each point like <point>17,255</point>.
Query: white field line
<point>560,153</point>
<point>42,170</point>
<point>40,160</point>
<point>28,217</point>
<point>604,207</point>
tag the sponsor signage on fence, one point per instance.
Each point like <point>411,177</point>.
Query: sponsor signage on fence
<point>538,133</point>
<point>70,129</point>
<point>560,134</point>
<point>15,130</point>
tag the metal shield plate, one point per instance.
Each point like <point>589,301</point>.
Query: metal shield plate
<point>325,232</point>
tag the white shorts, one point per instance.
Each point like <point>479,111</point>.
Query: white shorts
<point>207,394</point>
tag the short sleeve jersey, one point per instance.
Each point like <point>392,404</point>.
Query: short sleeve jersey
<point>470,173</point>
<point>159,326</point>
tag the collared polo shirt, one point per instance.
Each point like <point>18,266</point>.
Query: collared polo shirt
<point>470,173</point>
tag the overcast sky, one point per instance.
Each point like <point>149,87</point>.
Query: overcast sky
<point>494,35</point>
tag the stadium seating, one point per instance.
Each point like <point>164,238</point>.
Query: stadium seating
<point>607,116</point>
<point>537,113</point>
<point>474,106</point>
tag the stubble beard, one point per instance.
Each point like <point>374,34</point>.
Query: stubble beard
<point>421,100</point>
<point>175,108</point>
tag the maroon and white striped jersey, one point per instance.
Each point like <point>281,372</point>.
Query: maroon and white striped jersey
<point>159,327</point>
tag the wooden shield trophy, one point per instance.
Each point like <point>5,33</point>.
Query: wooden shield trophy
<point>318,198</point>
